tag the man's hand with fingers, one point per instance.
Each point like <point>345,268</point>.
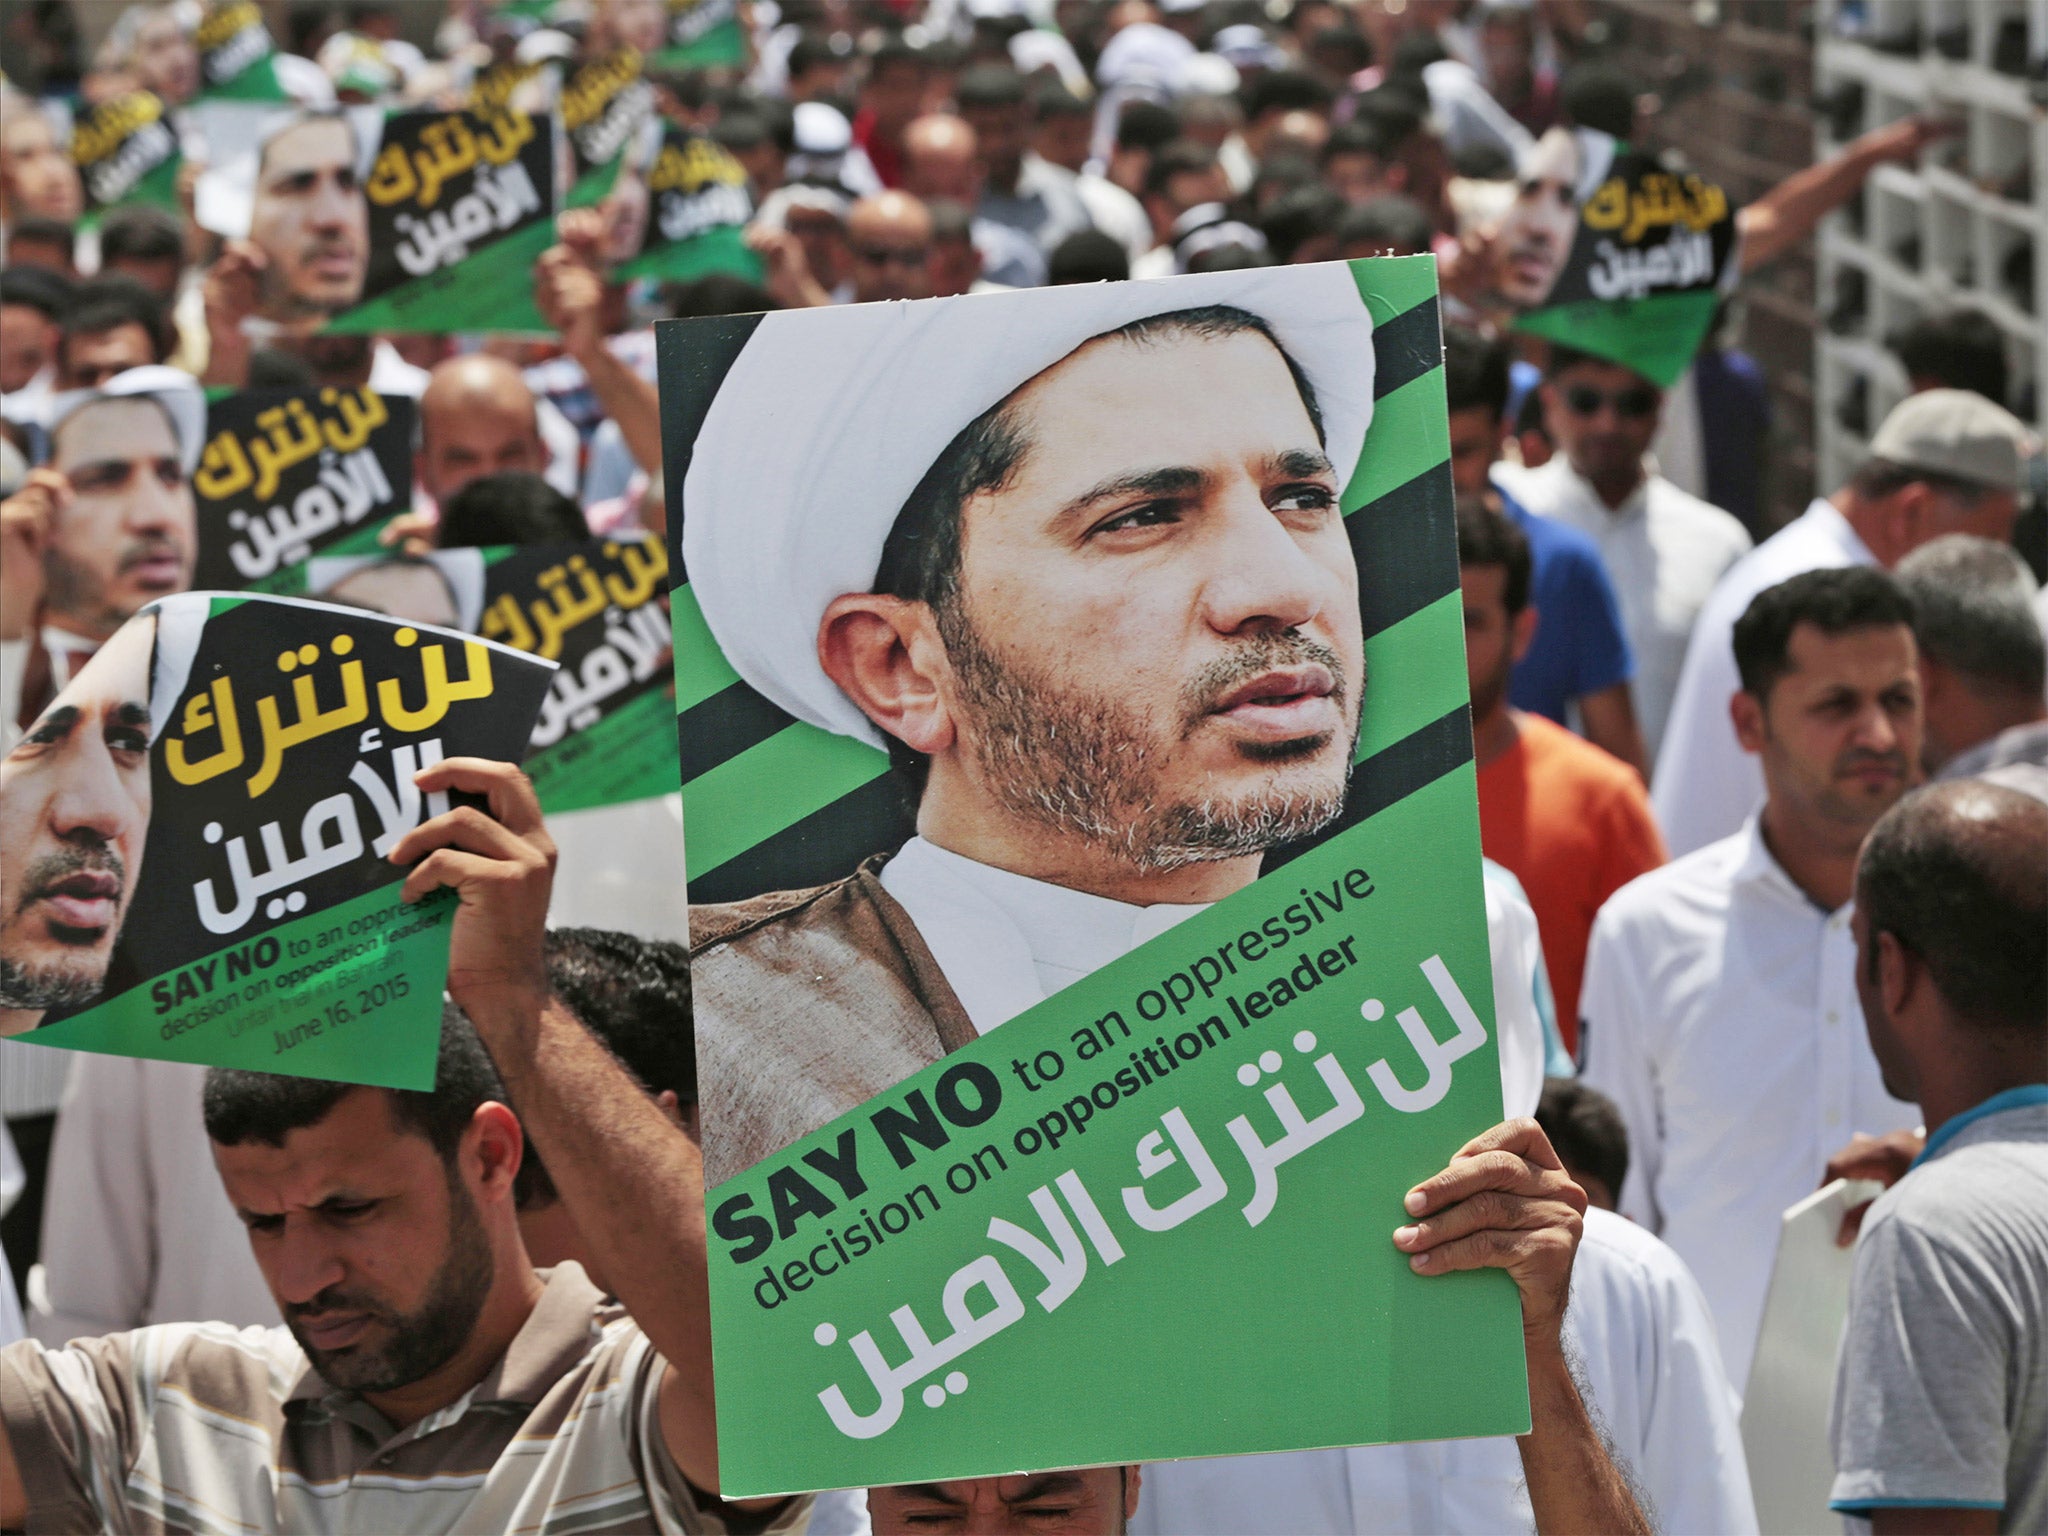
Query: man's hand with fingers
<point>1505,1202</point>
<point>501,866</point>
<point>25,521</point>
<point>1883,1158</point>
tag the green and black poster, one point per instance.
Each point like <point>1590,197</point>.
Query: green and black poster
<point>1089,939</point>
<point>599,611</point>
<point>126,152</point>
<point>251,762</point>
<point>287,475</point>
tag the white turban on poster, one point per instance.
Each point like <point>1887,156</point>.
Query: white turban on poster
<point>829,419</point>
<point>183,401</point>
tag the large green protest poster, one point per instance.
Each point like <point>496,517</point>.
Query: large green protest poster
<point>288,474</point>
<point>246,764</point>
<point>126,152</point>
<point>599,611</point>
<point>1608,251</point>
<point>1150,1215</point>
<point>460,205</point>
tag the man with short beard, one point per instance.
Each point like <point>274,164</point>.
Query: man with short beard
<point>1720,1008</point>
<point>74,815</point>
<point>426,1378</point>
<point>1112,636</point>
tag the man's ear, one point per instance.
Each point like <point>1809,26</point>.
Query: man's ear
<point>1900,975</point>
<point>1747,711</point>
<point>885,654</point>
<point>1521,634</point>
<point>494,1146</point>
<point>1134,1477</point>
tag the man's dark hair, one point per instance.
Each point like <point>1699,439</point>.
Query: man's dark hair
<point>140,234</point>
<point>1050,99</point>
<point>1414,53</point>
<point>811,50</point>
<point>38,229</point>
<point>273,368</point>
<point>1298,216</point>
<point>511,507</point>
<point>1973,612</point>
<point>36,288</point>
<point>1875,479</point>
<point>633,995</point>
<point>718,293</point>
<point>741,129</point>
<point>1183,157</point>
<point>1357,137</point>
<point>896,49</point>
<point>1395,115</point>
<point>240,1107</point>
<point>1389,222</point>
<point>1586,1129</point>
<point>1146,125</point>
<point>1230,256</point>
<point>1475,371</point>
<point>990,85</point>
<point>1957,872</point>
<point>1284,90</point>
<point>114,300</point>
<point>921,556</point>
<point>1600,97</point>
<point>1832,601</point>
<point>1487,537</point>
<point>1958,349</point>
<point>1088,256</point>
<point>1348,41</point>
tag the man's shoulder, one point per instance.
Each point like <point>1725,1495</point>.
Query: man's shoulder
<point>1593,777</point>
<point>1632,1256</point>
<point>241,1371</point>
<point>1667,900</point>
<point>1996,1172</point>
<point>723,923</point>
<point>1700,519</point>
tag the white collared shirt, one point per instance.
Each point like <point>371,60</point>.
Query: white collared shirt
<point>1006,941</point>
<point>1720,1014</point>
<point>1663,549</point>
<point>1705,784</point>
<point>1652,1376</point>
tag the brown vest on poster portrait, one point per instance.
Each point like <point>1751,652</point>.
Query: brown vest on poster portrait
<point>808,1004</point>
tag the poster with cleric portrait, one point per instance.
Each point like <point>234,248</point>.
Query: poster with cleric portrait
<point>598,611</point>
<point>1609,251</point>
<point>194,837</point>
<point>289,474</point>
<point>364,221</point>
<point>1083,848</point>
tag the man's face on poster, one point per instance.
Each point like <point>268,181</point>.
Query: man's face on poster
<point>1156,644</point>
<point>1536,236</point>
<point>128,534</point>
<point>74,813</point>
<point>401,589</point>
<point>311,220</point>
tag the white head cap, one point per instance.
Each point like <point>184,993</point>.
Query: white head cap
<point>829,419</point>
<point>172,388</point>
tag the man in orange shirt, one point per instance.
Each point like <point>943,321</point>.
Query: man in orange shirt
<point>1571,821</point>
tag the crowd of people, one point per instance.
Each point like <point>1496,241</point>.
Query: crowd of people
<point>1764,808</point>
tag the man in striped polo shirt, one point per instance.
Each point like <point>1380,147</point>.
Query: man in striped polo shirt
<point>426,1378</point>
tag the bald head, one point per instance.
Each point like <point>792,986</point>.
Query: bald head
<point>891,237</point>
<point>1957,873</point>
<point>939,159</point>
<point>477,417</point>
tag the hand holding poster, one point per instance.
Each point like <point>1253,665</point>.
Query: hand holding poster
<point>1125,1059</point>
<point>599,611</point>
<point>287,475</point>
<point>196,828</point>
<point>1610,253</point>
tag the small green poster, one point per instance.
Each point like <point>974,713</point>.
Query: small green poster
<point>249,763</point>
<point>598,611</point>
<point>126,152</point>
<point>1088,933</point>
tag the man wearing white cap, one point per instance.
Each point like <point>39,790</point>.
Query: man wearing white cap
<point>1944,461</point>
<point>1080,568</point>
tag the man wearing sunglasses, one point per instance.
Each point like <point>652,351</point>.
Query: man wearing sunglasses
<point>1664,548</point>
<point>891,238</point>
